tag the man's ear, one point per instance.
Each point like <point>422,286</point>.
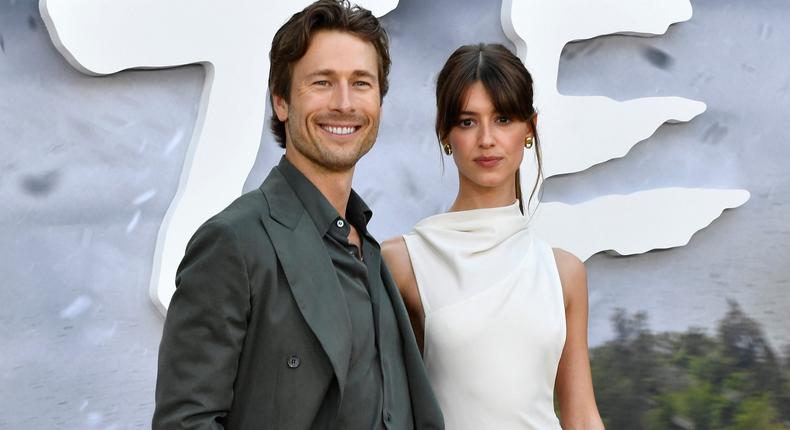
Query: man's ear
<point>280,107</point>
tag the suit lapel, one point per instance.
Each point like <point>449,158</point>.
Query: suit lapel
<point>425,407</point>
<point>310,273</point>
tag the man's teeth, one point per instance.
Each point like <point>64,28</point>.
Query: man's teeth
<point>339,130</point>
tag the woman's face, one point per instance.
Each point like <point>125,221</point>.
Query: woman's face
<point>487,146</point>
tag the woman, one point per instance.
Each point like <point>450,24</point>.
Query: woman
<point>501,317</point>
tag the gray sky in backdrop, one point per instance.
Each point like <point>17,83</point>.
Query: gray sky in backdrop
<point>88,166</point>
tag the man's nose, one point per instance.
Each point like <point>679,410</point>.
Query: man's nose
<point>341,98</point>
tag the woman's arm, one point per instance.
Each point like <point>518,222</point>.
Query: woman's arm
<point>574,380</point>
<point>396,257</point>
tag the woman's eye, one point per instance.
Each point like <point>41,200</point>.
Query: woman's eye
<point>503,120</point>
<point>466,122</point>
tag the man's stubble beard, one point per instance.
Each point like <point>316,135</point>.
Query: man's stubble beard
<point>311,148</point>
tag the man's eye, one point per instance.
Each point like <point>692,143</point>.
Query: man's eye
<point>362,84</point>
<point>321,83</point>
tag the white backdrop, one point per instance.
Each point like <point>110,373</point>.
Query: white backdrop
<point>89,165</point>
<point>99,37</point>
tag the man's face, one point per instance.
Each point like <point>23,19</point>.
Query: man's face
<point>333,115</point>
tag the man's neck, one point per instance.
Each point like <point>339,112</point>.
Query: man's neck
<point>335,186</point>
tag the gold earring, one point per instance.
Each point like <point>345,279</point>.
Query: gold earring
<point>529,142</point>
<point>447,148</point>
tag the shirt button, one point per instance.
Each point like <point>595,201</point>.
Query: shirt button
<point>294,362</point>
<point>340,223</point>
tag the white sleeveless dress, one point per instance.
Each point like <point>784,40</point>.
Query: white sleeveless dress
<point>494,318</point>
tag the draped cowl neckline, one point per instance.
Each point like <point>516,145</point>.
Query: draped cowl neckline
<point>489,227</point>
<point>494,318</point>
<point>470,250</point>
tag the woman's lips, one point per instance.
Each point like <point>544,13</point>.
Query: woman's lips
<point>487,161</point>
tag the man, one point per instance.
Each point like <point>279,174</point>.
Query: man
<point>284,316</point>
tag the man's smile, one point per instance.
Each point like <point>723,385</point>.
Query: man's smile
<point>340,130</point>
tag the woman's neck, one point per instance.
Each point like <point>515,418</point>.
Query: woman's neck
<point>476,197</point>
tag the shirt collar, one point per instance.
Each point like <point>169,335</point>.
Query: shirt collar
<point>318,207</point>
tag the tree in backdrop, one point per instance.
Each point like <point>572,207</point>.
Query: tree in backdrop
<point>732,380</point>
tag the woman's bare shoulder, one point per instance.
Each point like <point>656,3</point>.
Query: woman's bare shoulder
<point>573,274</point>
<point>396,256</point>
<point>394,249</point>
<point>394,244</point>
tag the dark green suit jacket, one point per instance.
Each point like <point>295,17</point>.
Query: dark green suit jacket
<point>257,333</point>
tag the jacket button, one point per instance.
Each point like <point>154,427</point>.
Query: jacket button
<point>294,362</point>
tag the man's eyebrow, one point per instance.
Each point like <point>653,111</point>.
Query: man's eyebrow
<point>323,72</point>
<point>364,73</point>
<point>330,72</point>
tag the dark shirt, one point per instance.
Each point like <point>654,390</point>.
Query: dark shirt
<point>376,394</point>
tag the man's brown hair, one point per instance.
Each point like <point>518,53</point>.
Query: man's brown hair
<point>293,38</point>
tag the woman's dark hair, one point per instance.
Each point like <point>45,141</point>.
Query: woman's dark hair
<point>292,40</point>
<point>507,81</point>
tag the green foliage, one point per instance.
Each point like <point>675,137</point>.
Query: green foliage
<point>691,380</point>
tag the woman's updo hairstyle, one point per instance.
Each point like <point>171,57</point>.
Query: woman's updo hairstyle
<point>507,81</point>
